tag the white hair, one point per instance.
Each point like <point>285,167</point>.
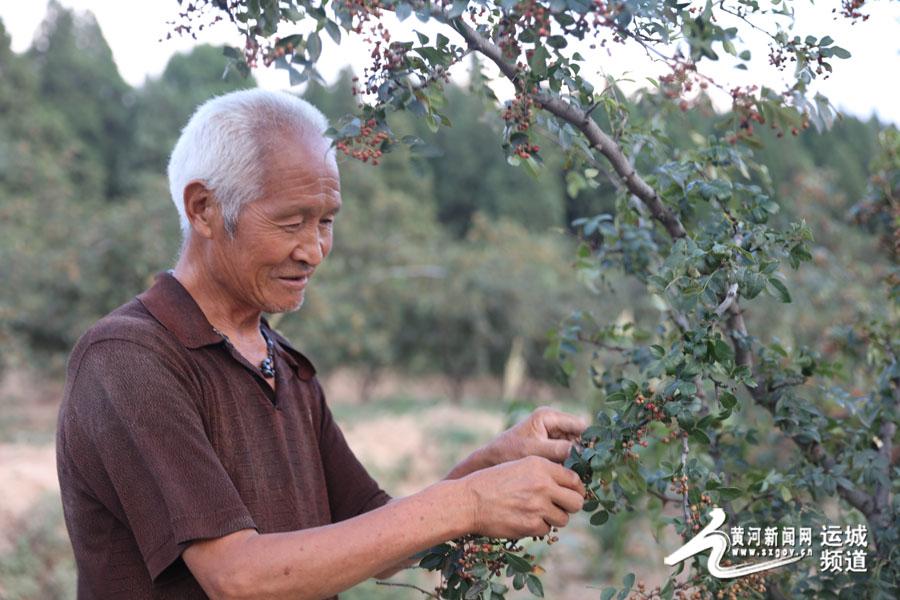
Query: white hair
<point>224,145</point>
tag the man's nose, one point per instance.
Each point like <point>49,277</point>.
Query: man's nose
<point>310,248</point>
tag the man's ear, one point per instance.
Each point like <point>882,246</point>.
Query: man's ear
<point>201,209</point>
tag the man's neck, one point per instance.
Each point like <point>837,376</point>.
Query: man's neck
<point>231,317</point>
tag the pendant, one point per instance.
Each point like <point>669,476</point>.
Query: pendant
<point>267,367</point>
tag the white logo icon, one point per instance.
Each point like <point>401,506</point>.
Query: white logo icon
<point>717,542</point>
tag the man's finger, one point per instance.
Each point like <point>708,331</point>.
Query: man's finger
<point>568,478</point>
<point>555,450</point>
<point>560,424</point>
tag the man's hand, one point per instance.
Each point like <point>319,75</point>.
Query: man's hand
<point>525,497</point>
<point>546,432</point>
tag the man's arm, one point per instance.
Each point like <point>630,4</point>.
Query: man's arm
<point>546,432</point>
<point>513,500</point>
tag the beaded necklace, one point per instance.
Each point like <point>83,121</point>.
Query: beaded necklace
<point>267,366</point>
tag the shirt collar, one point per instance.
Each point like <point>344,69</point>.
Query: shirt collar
<point>301,365</point>
<point>174,307</point>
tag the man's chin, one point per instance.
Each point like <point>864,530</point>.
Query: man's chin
<point>285,307</point>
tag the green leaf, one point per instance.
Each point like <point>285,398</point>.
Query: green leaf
<point>729,493</point>
<point>402,11</point>
<point>667,591</point>
<point>627,581</point>
<point>431,561</point>
<point>699,436</point>
<point>333,30</point>
<point>599,518</point>
<point>840,52</point>
<point>475,591</point>
<point>727,399</point>
<point>782,290</point>
<point>534,585</point>
<point>608,593</point>
<point>518,581</point>
<point>538,62</point>
<point>557,41</point>
<point>314,46</point>
<point>517,563</point>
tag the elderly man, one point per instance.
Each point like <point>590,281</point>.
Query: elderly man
<point>196,453</point>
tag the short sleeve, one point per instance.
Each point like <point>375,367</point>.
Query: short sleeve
<point>137,418</point>
<point>351,490</point>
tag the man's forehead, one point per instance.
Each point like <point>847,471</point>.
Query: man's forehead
<point>298,142</point>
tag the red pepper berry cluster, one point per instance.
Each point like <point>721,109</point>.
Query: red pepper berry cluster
<point>604,15</point>
<point>361,12</point>
<point>528,15</point>
<point>695,589</point>
<point>475,551</point>
<point>365,146</point>
<point>195,17</point>
<point>850,9</point>
<point>654,408</point>
<point>526,150</point>
<point>672,436</point>
<point>680,485</point>
<point>520,111</point>
<point>679,81</point>
<point>694,515</point>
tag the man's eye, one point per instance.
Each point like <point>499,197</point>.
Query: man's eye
<point>329,221</point>
<point>292,226</point>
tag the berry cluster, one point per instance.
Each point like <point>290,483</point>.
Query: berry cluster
<point>528,15</point>
<point>194,11</point>
<point>743,587</point>
<point>680,81</point>
<point>656,412</point>
<point>367,145</point>
<point>850,9</point>
<point>672,436</point>
<point>526,150</point>
<point>694,515</point>
<point>604,16</point>
<point>520,111</point>
<point>473,554</point>
<point>692,589</point>
<point>361,12</point>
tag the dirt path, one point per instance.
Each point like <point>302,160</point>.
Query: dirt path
<point>27,473</point>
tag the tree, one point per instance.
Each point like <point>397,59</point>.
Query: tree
<point>695,224</point>
<point>79,80</point>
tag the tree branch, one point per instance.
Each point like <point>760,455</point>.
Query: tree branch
<point>813,451</point>
<point>409,586</point>
<point>730,298</point>
<point>580,119</point>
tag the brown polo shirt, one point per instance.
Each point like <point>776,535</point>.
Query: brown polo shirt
<point>166,435</point>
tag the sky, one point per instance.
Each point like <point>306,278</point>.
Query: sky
<point>861,86</point>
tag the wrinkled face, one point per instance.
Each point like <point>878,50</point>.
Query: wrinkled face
<point>282,236</point>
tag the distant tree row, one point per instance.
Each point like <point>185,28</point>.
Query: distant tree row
<point>443,258</point>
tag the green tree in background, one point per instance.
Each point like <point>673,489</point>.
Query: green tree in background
<point>163,106</point>
<point>78,78</point>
